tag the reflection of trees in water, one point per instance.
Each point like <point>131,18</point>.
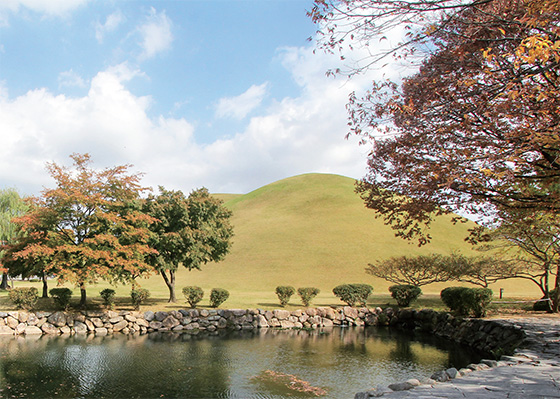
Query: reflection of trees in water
<point>205,365</point>
<point>74,367</point>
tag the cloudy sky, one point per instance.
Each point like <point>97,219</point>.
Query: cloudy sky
<point>225,94</point>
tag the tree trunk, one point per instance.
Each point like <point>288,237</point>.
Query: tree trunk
<point>83,295</point>
<point>170,282</point>
<point>556,293</point>
<point>45,285</point>
<point>4,284</point>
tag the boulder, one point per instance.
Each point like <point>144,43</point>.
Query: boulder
<point>101,331</point>
<point>120,325</point>
<point>452,372</point>
<point>440,376</point>
<point>32,330</point>
<point>23,316</point>
<point>80,328</point>
<point>149,316</point>
<point>160,316</point>
<point>57,319</point>
<point>115,320</point>
<point>5,330</point>
<point>261,321</point>
<point>12,322</point>
<point>97,322</point>
<point>65,330</point>
<point>48,328</point>
<point>170,322</point>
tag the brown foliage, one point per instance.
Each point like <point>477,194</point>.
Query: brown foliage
<point>476,129</point>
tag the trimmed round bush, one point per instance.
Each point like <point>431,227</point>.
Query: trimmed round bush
<point>108,296</point>
<point>139,296</point>
<point>218,296</point>
<point>284,293</point>
<point>467,301</point>
<point>307,294</point>
<point>353,294</point>
<point>404,294</point>
<point>61,297</point>
<point>24,298</point>
<point>193,295</point>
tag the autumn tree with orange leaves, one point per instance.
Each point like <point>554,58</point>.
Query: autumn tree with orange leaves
<point>89,227</point>
<point>477,128</point>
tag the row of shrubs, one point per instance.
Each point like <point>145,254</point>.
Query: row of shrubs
<point>460,300</point>
<point>463,301</point>
<point>26,297</point>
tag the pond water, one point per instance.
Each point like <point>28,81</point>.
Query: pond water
<point>237,364</point>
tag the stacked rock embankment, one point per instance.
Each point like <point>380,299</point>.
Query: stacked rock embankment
<point>484,335</point>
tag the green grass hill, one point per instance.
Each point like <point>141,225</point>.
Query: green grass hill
<point>311,230</point>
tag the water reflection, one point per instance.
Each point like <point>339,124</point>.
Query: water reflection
<point>220,365</point>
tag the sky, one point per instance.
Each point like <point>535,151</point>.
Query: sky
<point>223,94</point>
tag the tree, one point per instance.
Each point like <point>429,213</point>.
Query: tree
<point>476,129</point>
<point>89,227</point>
<point>418,270</point>
<point>433,268</point>
<point>11,206</point>
<point>531,246</point>
<point>188,231</point>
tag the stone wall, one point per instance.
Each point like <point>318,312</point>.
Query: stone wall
<point>485,335</point>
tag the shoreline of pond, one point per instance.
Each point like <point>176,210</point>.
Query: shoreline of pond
<point>495,337</point>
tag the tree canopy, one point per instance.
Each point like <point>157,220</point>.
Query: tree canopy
<point>12,205</point>
<point>89,227</point>
<point>189,231</point>
<point>475,129</point>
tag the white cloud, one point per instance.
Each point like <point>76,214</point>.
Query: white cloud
<point>240,106</point>
<point>71,79</point>
<point>111,24</point>
<point>47,7</point>
<point>294,135</point>
<point>155,33</point>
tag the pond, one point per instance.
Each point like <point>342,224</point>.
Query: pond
<point>235,364</point>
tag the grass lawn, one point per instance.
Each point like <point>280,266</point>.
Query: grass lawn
<point>259,299</point>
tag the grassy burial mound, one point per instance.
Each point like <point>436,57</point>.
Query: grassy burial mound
<point>311,230</point>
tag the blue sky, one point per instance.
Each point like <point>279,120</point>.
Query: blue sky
<point>222,94</point>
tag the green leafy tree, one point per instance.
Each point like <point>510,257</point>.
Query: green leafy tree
<point>188,231</point>
<point>530,245</point>
<point>89,227</point>
<point>11,206</point>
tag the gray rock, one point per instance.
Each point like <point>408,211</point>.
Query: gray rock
<point>115,320</point>
<point>160,316</point>
<point>32,319</point>
<point>281,314</point>
<point>80,328</point>
<point>261,321</point>
<point>130,318</point>
<point>452,372</point>
<point>48,328</point>
<point>101,331</point>
<point>401,386</point>
<point>170,322</point>
<point>57,319</point>
<point>440,376</point>
<point>489,362</point>
<point>327,322</point>
<point>156,325</point>
<point>149,316</point>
